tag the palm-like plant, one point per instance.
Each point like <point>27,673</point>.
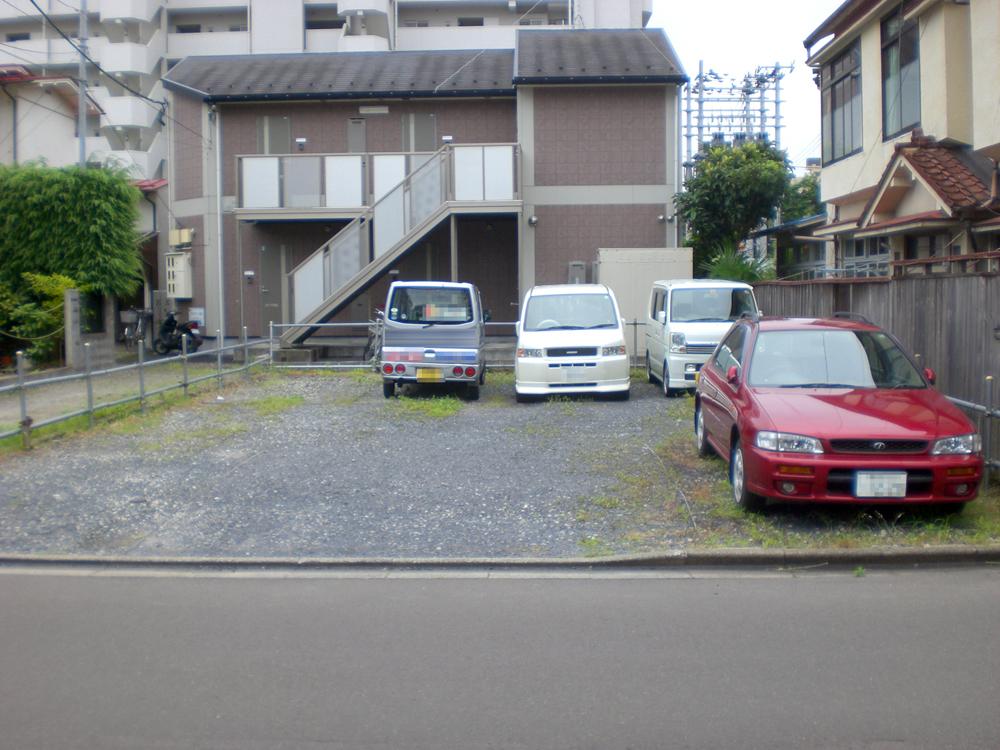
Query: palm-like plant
<point>729,263</point>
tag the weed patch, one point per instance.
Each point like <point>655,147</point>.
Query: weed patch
<point>271,405</point>
<point>434,407</point>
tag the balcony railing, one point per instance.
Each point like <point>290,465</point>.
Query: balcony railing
<point>455,173</point>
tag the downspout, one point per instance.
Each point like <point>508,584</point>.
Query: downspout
<point>13,102</point>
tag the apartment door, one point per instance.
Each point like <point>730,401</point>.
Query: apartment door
<point>270,286</point>
<point>357,136</point>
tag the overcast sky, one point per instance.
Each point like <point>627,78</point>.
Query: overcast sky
<point>735,36</point>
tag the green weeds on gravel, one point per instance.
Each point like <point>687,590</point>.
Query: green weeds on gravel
<point>593,546</point>
<point>271,405</point>
<point>431,407</point>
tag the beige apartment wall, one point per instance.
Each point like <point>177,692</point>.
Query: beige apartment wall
<point>945,73</point>
<point>985,45</point>
<point>916,201</point>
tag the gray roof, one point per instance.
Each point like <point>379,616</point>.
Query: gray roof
<point>551,56</point>
<point>602,55</point>
<point>345,75</point>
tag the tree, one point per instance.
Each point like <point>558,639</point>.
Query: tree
<point>801,199</point>
<point>732,190</point>
<point>76,222</point>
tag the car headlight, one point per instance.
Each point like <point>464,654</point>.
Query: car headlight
<point>522,353</point>
<point>612,351</point>
<point>784,442</point>
<point>678,342</point>
<point>959,444</point>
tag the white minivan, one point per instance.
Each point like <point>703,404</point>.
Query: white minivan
<point>570,339</point>
<point>685,320</point>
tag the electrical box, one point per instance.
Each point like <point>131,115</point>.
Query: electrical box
<point>577,272</point>
<point>178,275</point>
<point>181,237</point>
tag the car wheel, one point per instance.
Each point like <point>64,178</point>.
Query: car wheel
<point>482,375</point>
<point>650,377</point>
<point>701,439</point>
<point>665,381</point>
<point>388,389</point>
<point>737,477</point>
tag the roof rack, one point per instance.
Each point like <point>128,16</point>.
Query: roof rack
<point>852,316</point>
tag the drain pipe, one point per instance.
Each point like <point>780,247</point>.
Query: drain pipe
<point>13,103</point>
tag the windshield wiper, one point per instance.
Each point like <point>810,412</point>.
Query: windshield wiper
<point>560,328</point>
<point>705,320</point>
<point>600,325</point>
<point>819,385</point>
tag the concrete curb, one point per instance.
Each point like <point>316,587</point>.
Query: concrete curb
<point>727,557</point>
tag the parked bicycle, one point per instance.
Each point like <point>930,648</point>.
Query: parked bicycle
<point>373,348</point>
<point>136,325</point>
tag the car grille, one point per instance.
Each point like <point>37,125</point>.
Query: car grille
<point>878,446</point>
<point>574,351</point>
<point>699,348</point>
<point>841,482</point>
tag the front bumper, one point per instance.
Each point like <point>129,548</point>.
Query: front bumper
<point>540,376</point>
<point>831,477</point>
<point>684,369</point>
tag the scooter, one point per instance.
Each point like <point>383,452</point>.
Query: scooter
<point>171,333</point>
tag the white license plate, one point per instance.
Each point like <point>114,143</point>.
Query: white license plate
<point>880,484</point>
<point>576,374</point>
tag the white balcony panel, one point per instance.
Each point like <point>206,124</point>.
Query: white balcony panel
<point>389,222</point>
<point>42,52</point>
<point>459,37</point>
<point>367,43</point>
<point>176,5</point>
<point>498,173</point>
<point>129,57</point>
<point>323,40</point>
<point>344,181</point>
<point>214,43</point>
<point>388,171</point>
<point>468,173</point>
<point>368,7</point>
<point>129,10</point>
<point>261,188</point>
<point>307,286</point>
<point>127,112</point>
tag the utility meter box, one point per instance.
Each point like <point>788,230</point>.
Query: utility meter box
<point>178,275</point>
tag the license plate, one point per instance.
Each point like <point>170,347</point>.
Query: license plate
<point>576,374</point>
<point>429,375</point>
<point>880,484</point>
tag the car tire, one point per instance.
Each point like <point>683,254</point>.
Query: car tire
<point>472,392</point>
<point>745,499</point>
<point>650,377</point>
<point>388,389</point>
<point>668,392</point>
<point>482,375</point>
<point>700,436</point>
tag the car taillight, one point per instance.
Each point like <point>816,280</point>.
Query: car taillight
<point>400,369</point>
<point>457,371</point>
<point>470,372</point>
<point>387,369</point>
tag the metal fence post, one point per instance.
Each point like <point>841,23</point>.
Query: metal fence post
<point>184,363</point>
<point>142,376</point>
<point>635,340</point>
<point>988,430</point>
<point>23,394</point>
<point>90,385</point>
<point>246,355</point>
<point>218,356</point>
<point>270,343</point>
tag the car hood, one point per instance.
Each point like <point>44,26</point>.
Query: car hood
<point>551,339</point>
<point>702,333</point>
<point>862,413</point>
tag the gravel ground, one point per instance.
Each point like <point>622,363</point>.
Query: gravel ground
<point>322,465</point>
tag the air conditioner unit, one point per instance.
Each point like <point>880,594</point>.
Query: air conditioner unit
<point>181,237</point>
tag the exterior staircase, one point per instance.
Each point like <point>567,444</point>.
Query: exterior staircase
<point>454,180</point>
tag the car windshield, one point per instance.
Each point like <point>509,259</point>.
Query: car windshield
<point>711,305</point>
<point>831,359</point>
<point>548,312</point>
<point>430,305</point>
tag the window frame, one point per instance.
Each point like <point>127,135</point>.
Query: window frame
<point>834,76</point>
<point>905,27</point>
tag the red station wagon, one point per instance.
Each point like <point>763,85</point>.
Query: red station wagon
<point>832,411</point>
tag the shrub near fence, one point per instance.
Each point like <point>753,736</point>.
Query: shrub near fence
<point>952,323</point>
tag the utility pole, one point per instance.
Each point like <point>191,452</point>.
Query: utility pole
<point>82,113</point>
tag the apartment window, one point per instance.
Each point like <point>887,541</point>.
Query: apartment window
<point>533,21</point>
<point>188,28</point>
<point>238,27</point>
<point>274,135</point>
<point>19,36</point>
<point>416,24</point>
<point>841,97</point>
<point>324,23</point>
<point>900,75</point>
<point>470,21</point>
<point>419,132</point>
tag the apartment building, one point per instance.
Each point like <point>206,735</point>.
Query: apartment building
<point>911,135</point>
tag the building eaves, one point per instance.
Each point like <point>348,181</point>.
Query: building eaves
<point>578,56</point>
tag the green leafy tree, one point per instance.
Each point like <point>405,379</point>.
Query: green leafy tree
<point>801,199</point>
<point>70,221</point>
<point>32,318</point>
<point>731,191</point>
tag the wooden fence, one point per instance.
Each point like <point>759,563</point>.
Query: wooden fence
<point>951,322</point>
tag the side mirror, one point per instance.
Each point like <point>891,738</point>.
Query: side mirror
<point>733,374</point>
<point>661,317</point>
<point>929,374</point>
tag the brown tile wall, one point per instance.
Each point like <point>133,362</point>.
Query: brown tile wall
<point>600,136</point>
<point>325,126</point>
<point>187,147</point>
<point>566,233</point>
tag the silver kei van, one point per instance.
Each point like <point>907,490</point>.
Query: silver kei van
<point>685,320</point>
<point>433,332</point>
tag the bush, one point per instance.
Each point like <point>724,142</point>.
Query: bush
<point>730,264</point>
<point>32,318</point>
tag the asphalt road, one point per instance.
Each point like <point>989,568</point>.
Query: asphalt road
<point>886,661</point>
